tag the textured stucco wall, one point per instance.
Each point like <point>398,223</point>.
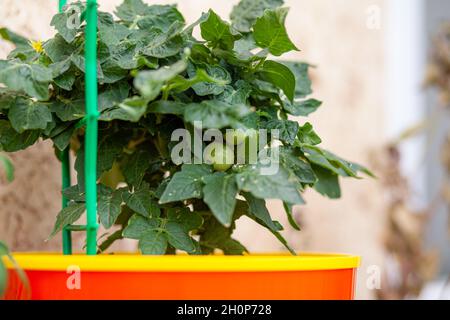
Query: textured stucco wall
<point>332,34</point>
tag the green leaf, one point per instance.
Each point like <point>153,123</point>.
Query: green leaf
<point>218,32</point>
<point>109,205</point>
<point>162,17</point>
<point>166,44</point>
<point>327,183</point>
<point>330,161</point>
<point>306,134</point>
<point>167,107</point>
<point>215,114</point>
<point>113,95</point>
<point>257,209</point>
<point>131,109</point>
<point>135,167</point>
<point>13,37</point>
<point>150,83</point>
<point>7,166</point>
<point>293,160</point>
<point>246,12</point>
<point>239,95</point>
<point>302,80</point>
<point>216,78</point>
<point>109,148</point>
<point>186,184</point>
<point>290,215</point>
<point>220,192</point>
<point>74,193</point>
<point>153,243</point>
<point>138,226</point>
<point>67,216</point>
<point>141,201</point>
<point>301,108</point>
<point>26,114</point>
<point>69,109</point>
<point>269,32</point>
<point>280,185</point>
<point>280,76</point>
<point>178,237</point>
<point>130,9</point>
<point>189,220</point>
<point>65,23</point>
<point>58,50</point>
<point>11,140</point>
<point>33,79</point>
<point>62,139</point>
<point>287,129</point>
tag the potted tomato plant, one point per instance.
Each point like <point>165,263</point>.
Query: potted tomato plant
<point>192,135</point>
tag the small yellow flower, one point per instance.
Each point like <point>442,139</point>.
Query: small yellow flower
<point>37,46</point>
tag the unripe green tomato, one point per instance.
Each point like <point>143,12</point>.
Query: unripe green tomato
<point>220,156</point>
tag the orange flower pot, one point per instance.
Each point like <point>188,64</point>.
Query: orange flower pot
<point>251,277</point>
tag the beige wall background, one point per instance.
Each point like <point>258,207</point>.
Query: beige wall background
<point>331,34</point>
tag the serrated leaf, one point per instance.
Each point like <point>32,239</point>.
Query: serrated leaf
<point>257,208</point>
<point>280,76</point>
<point>131,109</point>
<point>69,109</point>
<point>219,193</point>
<point>301,108</point>
<point>280,185</point>
<point>11,140</point>
<point>150,83</point>
<point>269,32</point>
<point>287,129</point>
<point>66,23</point>
<point>178,237</point>
<point>246,12</point>
<point>330,161</point>
<point>136,166</point>
<point>129,9</point>
<point>216,78</point>
<point>189,220</point>
<point>215,114</point>
<point>141,201</point>
<point>153,243</point>
<point>218,32</point>
<point>138,226</point>
<point>186,184</point>
<point>33,79</point>
<point>292,159</point>
<point>66,216</point>
<point>327,183</point>
<point>109,205</point>
<point>57,49</point>
<point>26,114</point>
<point>112,95</point>
<point>306,134</point>
<point>166,44</point>
<point>302,80</point>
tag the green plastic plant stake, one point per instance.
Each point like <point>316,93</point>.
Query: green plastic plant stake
<point>91,126</point>
<point>62,3</point>
<point>65,168</point>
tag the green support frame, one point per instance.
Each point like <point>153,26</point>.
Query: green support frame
<point>91,123</point>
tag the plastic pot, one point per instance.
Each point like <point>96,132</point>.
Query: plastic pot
<point>182,277</point>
